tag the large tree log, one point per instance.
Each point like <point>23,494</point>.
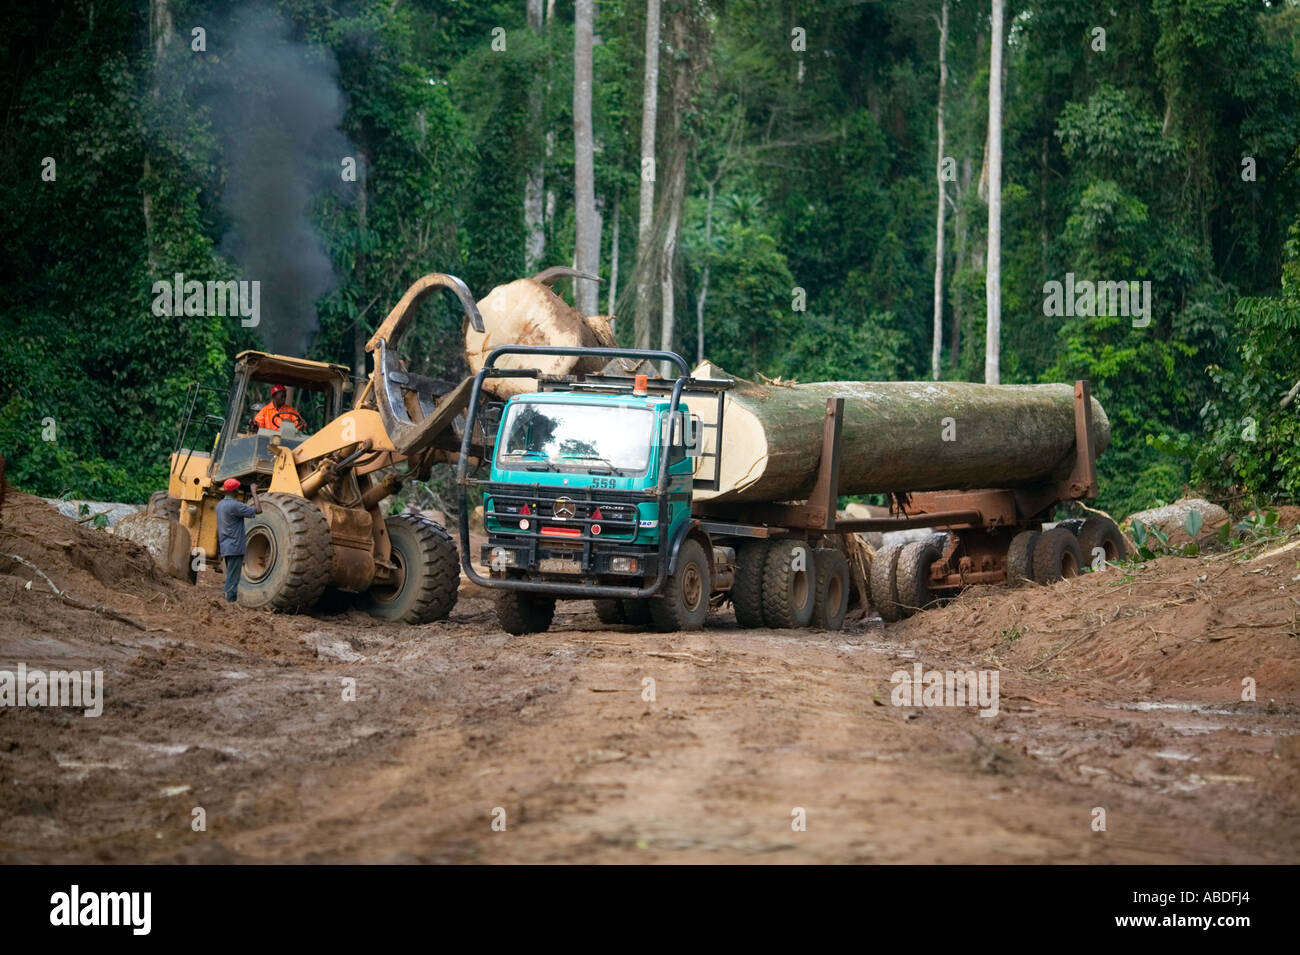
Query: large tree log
<point>527,312</point>
<point>897,436</point>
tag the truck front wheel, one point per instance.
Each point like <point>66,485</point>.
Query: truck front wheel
<point>519,612</point>
<point>683,604</point>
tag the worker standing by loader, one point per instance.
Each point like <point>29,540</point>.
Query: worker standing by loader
<point>231,513</point>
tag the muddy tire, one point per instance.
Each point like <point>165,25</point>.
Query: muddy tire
<point>747,591</point>
<point>1020,557</point>
<point>683,604</point>
<point>1101,532</point>
<point>287,564</point>
<point>789,590</point>
<point>609,611</point>
<point>520,613</point>
<point>1057,556</point>
<point>912,577</point>
<point>831,602</point>
<point>160,505</point>
<point>636,613</point>
<point>884,595</point>
<point>429,580</point>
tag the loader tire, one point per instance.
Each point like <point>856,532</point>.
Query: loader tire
<point>1057,556</point>
<point>519,612</point>
<point>789,585</point>
<point>160,505</point>
<point>913,576</point>
<point>1101,532</point>
<point>1020,557</point>
<point>747,590</point>
<point>683,604</point>
<point>287,564</point>
<point>832,600</point>
<point>428,582</point>
<point>884,593</point>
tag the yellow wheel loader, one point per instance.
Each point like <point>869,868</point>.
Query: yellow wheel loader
<point>322,472</point>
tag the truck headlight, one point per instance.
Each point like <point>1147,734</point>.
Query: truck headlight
<point>624,565</point>
<point>502,557</point>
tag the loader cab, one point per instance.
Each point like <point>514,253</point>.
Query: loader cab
<point>315,392</point>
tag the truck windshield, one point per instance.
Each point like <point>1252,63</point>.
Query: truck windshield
<point>604,439</point>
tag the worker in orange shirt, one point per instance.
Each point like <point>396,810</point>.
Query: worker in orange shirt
<point>276,412</point>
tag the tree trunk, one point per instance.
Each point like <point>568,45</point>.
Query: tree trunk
<point>587,226</point>
<point>704,278</point>
<point>613,257</point>
<point>936,356</point>
<point>535,185</point>
<point>359,333</point>
<point>896,436</point>
<point>993,275</point>
<point>641,323</point>
<point>961,227</point>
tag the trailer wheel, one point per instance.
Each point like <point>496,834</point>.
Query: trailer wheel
<point>789,585</point>
<point>1020,557</point>
<point>1057,556</point>
<point>747,591</point>
<point>683,604</point>
<point>1101,532</point>
<point>1073,525</point>
<point>428,578</point>
<point>288,555</point>
<point>912,577</point>
<point>832,600</point>
<point>520,613</point>
<point>884,596</point>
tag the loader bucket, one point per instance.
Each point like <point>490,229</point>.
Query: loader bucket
<point>415,409</point>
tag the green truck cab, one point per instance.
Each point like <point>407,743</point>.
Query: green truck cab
<point>589,495</point>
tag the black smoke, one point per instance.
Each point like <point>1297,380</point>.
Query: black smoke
<point>276,107</point>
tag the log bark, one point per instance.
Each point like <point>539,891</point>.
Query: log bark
<point>897,436</point>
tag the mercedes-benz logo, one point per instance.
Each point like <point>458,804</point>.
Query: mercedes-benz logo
<point>564,508</point>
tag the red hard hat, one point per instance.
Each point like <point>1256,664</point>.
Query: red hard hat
<point>231,484</point>
<point>276,389</point>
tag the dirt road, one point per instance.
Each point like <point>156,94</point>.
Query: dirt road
<point>1120,703</point>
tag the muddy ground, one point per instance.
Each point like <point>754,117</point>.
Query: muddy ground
<point>1117,693</point>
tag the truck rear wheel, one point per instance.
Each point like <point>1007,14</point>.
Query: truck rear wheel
<point>609,611</point>
<point>884,595</point>
<point>789,585</point>
<point>912,578</point>
<point>683,604</point>
<point>1057,556</point>
<point>520,613</point>
<point>288,556</point>
<point>636,613</point>
<point>832,600</point>
<point>427,582</point>
<point>747,591</point>
<point>1020,557</point>
<point>1101,532</point>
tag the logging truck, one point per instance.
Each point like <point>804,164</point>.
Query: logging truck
<point>659,497</point>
